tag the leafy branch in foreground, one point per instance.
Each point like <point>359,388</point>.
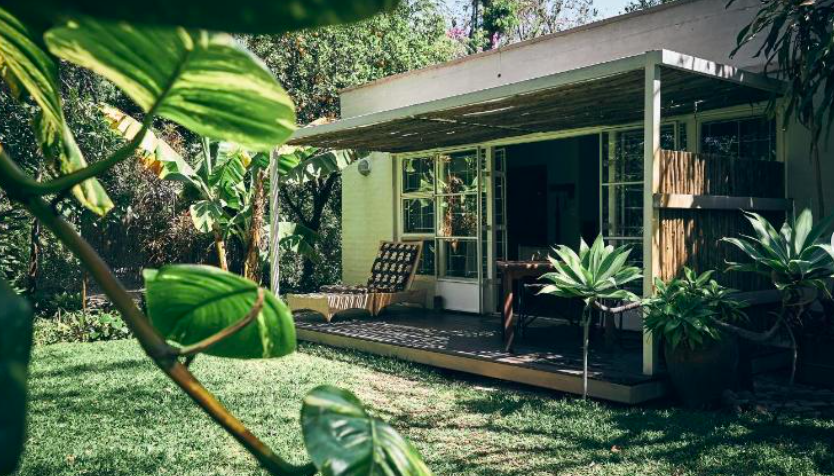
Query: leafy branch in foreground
<point>207,83</point>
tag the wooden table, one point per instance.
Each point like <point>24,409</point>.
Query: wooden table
<point>512,271</point>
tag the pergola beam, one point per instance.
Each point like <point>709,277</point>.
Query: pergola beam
<point>711,69</point>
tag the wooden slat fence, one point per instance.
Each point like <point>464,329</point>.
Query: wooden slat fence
<point>691,237</point>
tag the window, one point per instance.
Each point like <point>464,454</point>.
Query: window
<point>460,258</point>
<point>753,138</point>
<point>426,265</point>
<point>418,175</point>
<point>418,215</point>
<point>621,203</point>
<point>439,203</point>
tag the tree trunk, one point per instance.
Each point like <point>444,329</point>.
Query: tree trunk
<point>815,157</point>
<point>34,250</point>
<point>252,263</point>
<point>220,245</point>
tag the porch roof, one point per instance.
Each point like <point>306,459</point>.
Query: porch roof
<point>605,94</point>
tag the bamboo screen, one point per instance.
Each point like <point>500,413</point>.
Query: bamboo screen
<point>691,237</point>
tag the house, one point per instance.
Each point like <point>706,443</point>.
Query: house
<point>640,127</point>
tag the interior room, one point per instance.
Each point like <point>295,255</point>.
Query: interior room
<point>552,195</point>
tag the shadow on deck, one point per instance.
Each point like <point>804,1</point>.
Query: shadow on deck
<point>548,355</point>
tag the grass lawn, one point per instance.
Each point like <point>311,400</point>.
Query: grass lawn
<point>104,409</point>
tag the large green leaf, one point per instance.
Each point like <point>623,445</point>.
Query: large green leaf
<point>154,153</point>
<point>188,303</point>
<point>343,440</point>
<point>204,81</point>
<point>315,164</point>
<point>15,348</point>
<point>300,239</point>
<point>27,67</point>
<point>243,16</point>
<point>205,214</point>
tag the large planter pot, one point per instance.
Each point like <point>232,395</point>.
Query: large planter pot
<point>815,365</point>
<point>700,376</point>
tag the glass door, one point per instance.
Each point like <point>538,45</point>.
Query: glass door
<point>459,230</point>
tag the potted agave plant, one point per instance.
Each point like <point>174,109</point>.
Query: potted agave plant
<point>687,314</point>
<point>798,259</point>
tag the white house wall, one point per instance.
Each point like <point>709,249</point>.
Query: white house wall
<point>703,28</point>
<point>367,215</point>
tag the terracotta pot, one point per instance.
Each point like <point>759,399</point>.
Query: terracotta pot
<point>700,376</point>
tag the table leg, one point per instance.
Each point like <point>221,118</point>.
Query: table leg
<point>507,311</point>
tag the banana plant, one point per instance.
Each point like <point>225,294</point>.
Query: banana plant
<point>596,273</point>
<point>796,258</point>
<point>228,186</point>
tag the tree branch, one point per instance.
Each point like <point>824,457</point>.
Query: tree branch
<point>619,309</point>
<point>206,343</point>
<point>749,335</point>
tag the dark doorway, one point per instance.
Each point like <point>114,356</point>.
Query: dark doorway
<point>527,207</point>
<point>552,195</point>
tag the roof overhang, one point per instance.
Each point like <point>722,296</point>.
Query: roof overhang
<point>604,94</point>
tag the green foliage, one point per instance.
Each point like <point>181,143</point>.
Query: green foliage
<point>794,258</point>
<point>80,326</point>
<point>598,272</point>
<point>246,16</point>
<point>29,70</point>
<point>344,440</point>
<point>314,65</point>
<point>203,81</point>
<point>189,303</point>
<point>797,44</point>
<point>683,312</point>
<point>15,347</point>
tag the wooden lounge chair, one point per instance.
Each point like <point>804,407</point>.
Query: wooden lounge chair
<point>389,283</point>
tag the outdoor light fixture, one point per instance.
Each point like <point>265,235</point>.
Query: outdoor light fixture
<point>364,167</point>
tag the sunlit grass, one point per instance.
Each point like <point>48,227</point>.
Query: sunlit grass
<point>104,409</point>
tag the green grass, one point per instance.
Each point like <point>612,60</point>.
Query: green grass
<point>103,409</point>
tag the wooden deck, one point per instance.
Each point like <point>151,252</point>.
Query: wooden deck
<point>548,356</point>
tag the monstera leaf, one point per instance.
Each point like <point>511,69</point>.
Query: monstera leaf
<point>203,81</point>
<point>343,440</point>
<point>28,69</point>
<point>188,303</point>
<point>15,347</point>
<point>243,16</point>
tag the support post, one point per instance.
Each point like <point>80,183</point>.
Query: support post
<point>274,238</point>
<point>651,185</point>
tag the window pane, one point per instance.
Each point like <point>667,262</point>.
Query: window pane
<point>458,215</point>
<point>460,258</point>
<point>627,163</point>
<point>418,215</point>
<point>418,175</point>
<point>426,265</point>
<point>682,138</point>
<point>459,172</point>
<point>622,210</point>
<point>740,138</point>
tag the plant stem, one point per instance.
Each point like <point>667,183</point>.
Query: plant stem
<point>586,325</point>
<point>196,348</point>
<point>163,355</point>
